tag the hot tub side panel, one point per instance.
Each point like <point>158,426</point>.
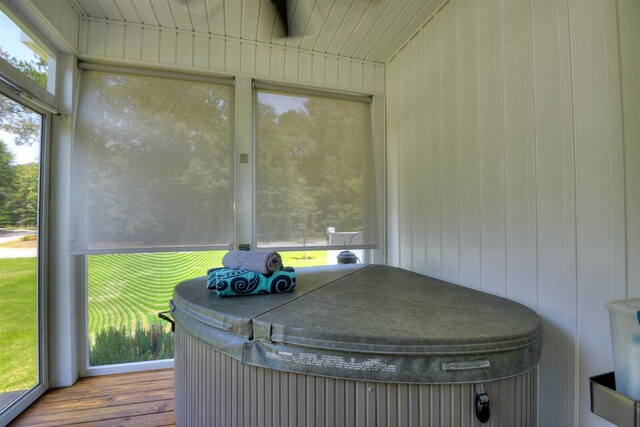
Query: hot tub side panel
<point>213,389</point>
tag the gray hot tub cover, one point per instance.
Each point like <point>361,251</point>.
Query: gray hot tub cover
<point>371,323</point>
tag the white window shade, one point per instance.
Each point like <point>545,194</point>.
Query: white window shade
<point>152,165</point>
<point>315,175</point>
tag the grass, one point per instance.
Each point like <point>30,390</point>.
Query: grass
<point>18,330</point>
<point>125,290</point>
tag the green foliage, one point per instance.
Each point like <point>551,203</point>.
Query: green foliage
<point>7,182</point>
<point>18,191</point>
<point>15,119</point>
<point>136,136</point>
<point>23,204</point>
<point>122,345</point>
<point>312,169</point>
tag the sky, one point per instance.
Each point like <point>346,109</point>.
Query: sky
<point>10,42</point>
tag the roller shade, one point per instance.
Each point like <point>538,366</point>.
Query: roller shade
<point>152,165</point>
<point>315,175</point>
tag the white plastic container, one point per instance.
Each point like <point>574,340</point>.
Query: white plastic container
<point>625,336</point>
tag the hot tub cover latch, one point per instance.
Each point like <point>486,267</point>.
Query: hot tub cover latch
<point>483,410</point>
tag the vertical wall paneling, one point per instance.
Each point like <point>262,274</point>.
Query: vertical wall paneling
<point>147,45</point>
<point>617,152</point>
<point>490,115</point>
<point>277,62</point>
<point>553,265</point>
<point>306,67</point>
<point>393,122</point>
<point>433,147</point>
<point>450,149</point>
<point>344,73</point>
<point>369,78</point>
<point>184,50</point>
<point>519,153</point>
<point>595,203</point>
<point>233,56</point>
<point>405,189</point>
<point>418,157</point>
<point>248,59</point>
<point>150,45</point>
<point>133,49</point>
<point>525,145</point>
<point>217,54</point>
<point>291,65</point>
<point>356,75</point>
<point>263,60</point>
<point>629,16</point>
<point>319,72</point>
<point>167,47</point>
<point>467,65</point>
<point>115,40</point>
<point>96,37</point>
<point>201,52</point>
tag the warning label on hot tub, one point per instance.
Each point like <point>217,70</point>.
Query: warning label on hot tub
<point>312,359</point>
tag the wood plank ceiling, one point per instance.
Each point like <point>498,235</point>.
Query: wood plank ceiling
<point>370,30</point>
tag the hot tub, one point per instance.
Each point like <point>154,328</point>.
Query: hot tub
<point>354,345</point>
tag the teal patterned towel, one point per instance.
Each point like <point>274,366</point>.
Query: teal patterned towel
<point>228,282</point>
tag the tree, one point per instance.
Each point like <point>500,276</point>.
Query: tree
<point>15,119</point>
<point>7,182</point>
<point>23,205</point>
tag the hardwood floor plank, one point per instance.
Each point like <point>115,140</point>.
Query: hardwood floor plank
<point>103,401</point>
<point>158,374</point>
<point>97,414</point>
<point>59,395</point>
<point>152,420</point>
<point>133,399</point>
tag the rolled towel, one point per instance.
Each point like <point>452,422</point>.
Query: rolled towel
<point>259,261</point>
<point>229,282</point>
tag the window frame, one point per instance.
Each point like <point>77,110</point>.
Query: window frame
<point>43,214</point>
<point>244,193</point>
<point>43,97</point>
<point>372,253</point>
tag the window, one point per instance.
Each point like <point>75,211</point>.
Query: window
<point>27,55</point>
<point>152,165</point>
<point>152,182</point>
<point>157,199</point>
<point>315,175</point>
<point>125,293</point>
<point>22,256</point>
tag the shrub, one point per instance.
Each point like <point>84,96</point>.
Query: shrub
<point>122,345</point>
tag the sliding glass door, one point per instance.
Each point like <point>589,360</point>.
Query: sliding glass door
<point>22,376</point>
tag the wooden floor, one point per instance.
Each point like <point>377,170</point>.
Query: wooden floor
<point>136,399</point>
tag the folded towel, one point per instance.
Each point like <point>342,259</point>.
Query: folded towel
<point>258,261</point>
<point>228,282</point>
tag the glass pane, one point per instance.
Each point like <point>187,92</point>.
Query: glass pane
<point>314,172</point>
<point>126,292</point>
<point>19,170</point>
<point>315,258</point>
<point>17,48</point>
<point>152,164</point>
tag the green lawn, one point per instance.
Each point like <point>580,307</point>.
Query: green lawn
<point>18,344</point>
<point>124,290</point>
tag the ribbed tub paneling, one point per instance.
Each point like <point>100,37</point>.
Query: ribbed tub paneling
<point>212,389</point>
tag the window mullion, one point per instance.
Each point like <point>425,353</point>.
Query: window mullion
<point>244,161</point>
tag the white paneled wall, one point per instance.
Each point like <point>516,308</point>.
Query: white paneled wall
<point>629,16</point>
<point>506,157</point>
<point>153,46</point>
